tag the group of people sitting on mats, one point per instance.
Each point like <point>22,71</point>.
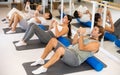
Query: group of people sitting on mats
<point>82,46</point>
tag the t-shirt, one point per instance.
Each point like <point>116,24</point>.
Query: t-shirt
<point>85,18</point>
<point>42,19</point>
<point>82,54</point>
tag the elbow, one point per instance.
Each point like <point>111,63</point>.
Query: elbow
<point>112,30</point>
<point>57,35</point>
<point>81,48</point>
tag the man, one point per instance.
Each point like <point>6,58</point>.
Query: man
<point>82,47</point>
<point>24,23</point>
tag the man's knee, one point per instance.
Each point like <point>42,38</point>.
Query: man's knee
<point>54,40</point>
<point>60,50</point>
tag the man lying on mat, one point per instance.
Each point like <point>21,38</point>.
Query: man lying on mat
<point>27,14</point>
<point>83,14</point>
<point>16,18</point>
<point>82,47</point>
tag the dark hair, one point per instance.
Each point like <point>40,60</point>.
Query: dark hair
<point>50,14</point>
<point>97,17</point>
<point>101,30</point>
<point>69,26</point>
<point>76,14</point>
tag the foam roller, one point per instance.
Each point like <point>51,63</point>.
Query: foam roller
<point>42,27</point>
<point>110,36</point>
<point>95,63</point>
<point>88,24</point>
<point>65,41</point>
<point>117,43</point>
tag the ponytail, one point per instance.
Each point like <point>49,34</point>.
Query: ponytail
<point>69,26</point>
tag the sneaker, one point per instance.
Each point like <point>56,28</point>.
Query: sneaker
<point>4,19</point>
<point>39,61</point>
<point>20,43</point>
<point>10,32</point>
<point>40,70</point>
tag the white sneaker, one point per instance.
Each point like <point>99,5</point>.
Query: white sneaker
<point>40,70</point>
<point>20,43</point>
<point>10,32</point>
<point>39,61</point>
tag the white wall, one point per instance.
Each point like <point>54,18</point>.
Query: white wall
<point>117,1</point>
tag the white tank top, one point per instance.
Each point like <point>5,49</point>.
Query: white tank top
<point>59,29</point>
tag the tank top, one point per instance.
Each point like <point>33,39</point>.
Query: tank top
<point>59,29</point>
<point>81,54</point>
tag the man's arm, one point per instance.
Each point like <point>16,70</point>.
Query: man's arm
<point>37,20</point>
<point>92,46</point>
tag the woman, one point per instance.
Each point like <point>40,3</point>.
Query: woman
<point>82,47</point>
<point>109,26</point>
<point>55,30</point>
<point>98,20</point>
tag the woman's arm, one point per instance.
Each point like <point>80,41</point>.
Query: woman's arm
<point>62,32</point>
<point>75,39</point>
<point>111,28</point>
<point>51,25</point>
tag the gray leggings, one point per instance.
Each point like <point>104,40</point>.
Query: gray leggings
<point>43,36</point>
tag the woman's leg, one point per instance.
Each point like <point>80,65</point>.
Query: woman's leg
<point>34,29</point>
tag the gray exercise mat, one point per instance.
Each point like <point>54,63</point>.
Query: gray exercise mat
<point>58,68</point>
<point>32,44</point>
<point>18,30</point>
<point>118,51</point>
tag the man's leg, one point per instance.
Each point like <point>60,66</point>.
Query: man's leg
<point>51,44</point>
<point>59,52</point>
<point>17,19</point>
<point>11,20</point>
